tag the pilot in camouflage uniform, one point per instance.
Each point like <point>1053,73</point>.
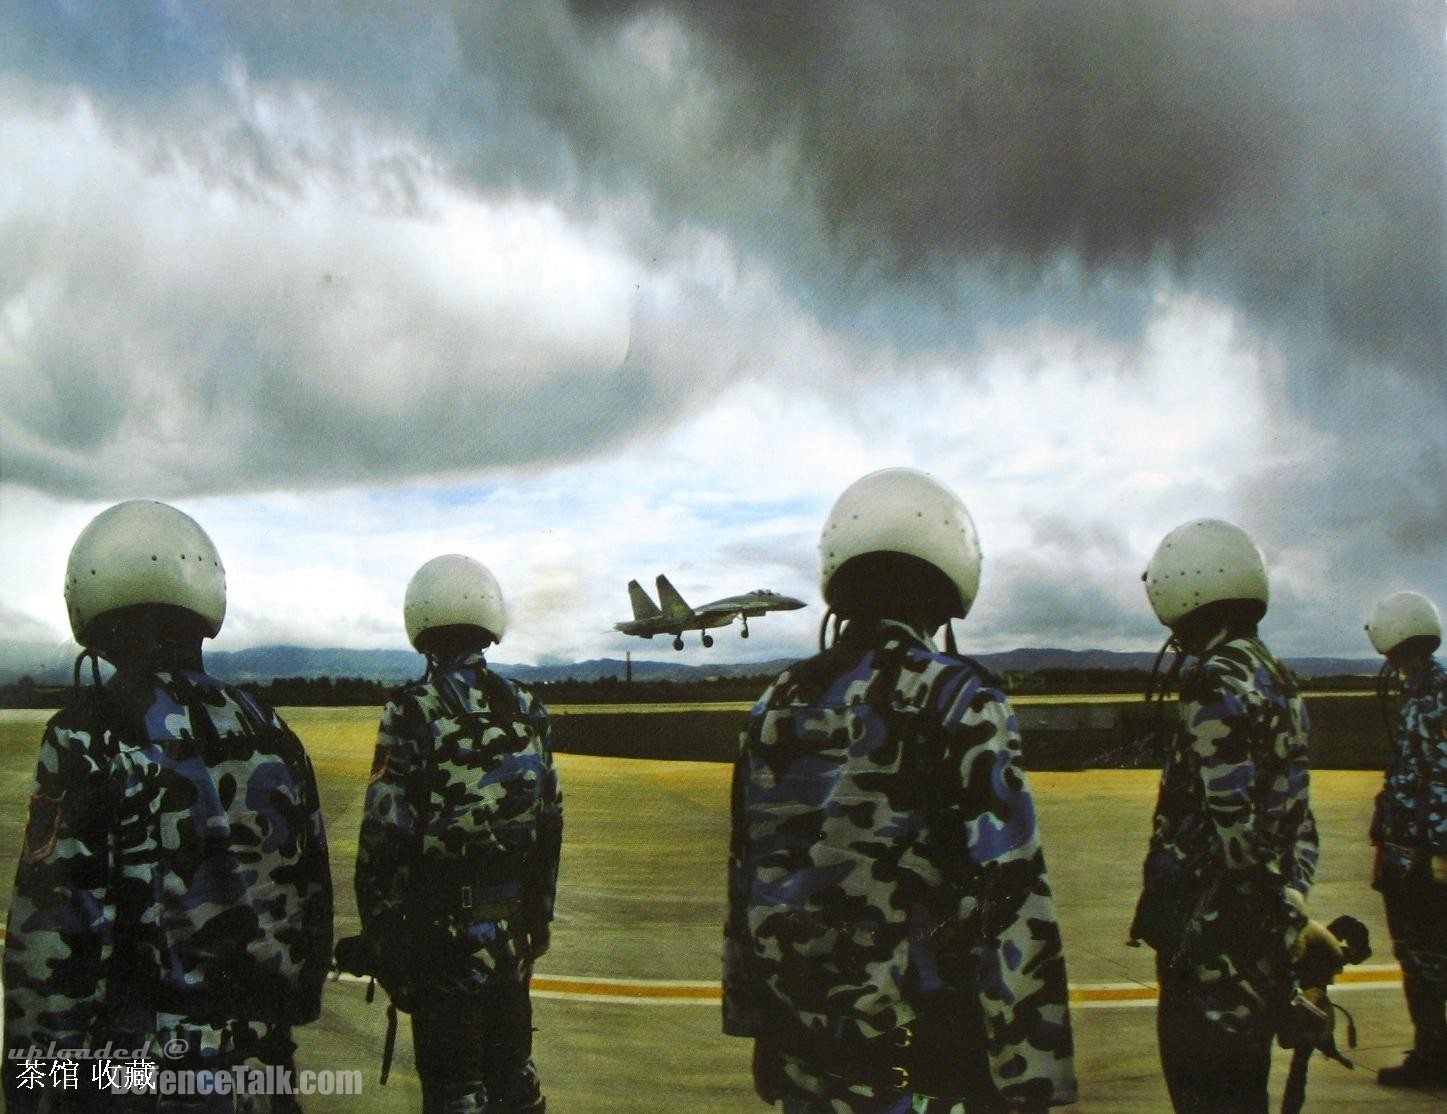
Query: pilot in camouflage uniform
<point>891,944</point>
<point>457,862</point>
<point>1233,846</point>
<point>1409,829</point>
<point>173,894</point>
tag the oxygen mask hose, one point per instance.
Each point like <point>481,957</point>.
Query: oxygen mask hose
<point>824,626</point>
<point>94,668</point>
<point>1160,686</point>
<point>1385,678</point>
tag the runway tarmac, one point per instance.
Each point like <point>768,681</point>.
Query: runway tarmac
<point>627,1000</point>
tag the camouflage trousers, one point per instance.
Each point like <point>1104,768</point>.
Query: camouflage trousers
<point>1417,919</point>
<point>965,1087</point>
<point>814,1092</point>
<point>853,1103</point>
<point>1208,1068</point>
<point>250,1046</point>
<point>474,1051</point>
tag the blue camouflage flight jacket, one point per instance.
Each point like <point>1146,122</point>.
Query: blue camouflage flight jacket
<point>174,882</point>
<point>1233,829</point>
<point>1410,817</point>
<point>471,749</point>
<point>884,848</point>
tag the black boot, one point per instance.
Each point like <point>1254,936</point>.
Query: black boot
<point>1419,1069</point>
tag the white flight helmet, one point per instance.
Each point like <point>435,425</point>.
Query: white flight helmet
<point>1401,616</point>
<point>139,552</point>
<point>1201,562</point>
<point>454,590</point>
<point>900,510</point>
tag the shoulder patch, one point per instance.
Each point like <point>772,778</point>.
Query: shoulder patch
<point>42,828</point>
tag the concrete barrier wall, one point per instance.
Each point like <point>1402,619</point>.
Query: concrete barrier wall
<point>685,735</point>
<point>1347,733</point>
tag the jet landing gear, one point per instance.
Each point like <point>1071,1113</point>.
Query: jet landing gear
<point>745,632</point>
<point>678,642</point>
<point>704,637</point>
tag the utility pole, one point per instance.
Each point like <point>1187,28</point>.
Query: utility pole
<point>628,666</point>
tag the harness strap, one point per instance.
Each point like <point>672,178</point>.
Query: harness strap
<point>389,1045</point>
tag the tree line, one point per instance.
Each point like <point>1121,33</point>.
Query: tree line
<point>334,692</point>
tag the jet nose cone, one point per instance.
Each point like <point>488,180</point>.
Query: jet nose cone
<point>789,603</point>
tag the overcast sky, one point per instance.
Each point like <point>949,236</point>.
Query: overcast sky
<point>594,291</point>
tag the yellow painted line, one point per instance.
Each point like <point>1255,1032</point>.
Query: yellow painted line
<point>686,992</point>
<point>681,992</point>
<point>1388,974</point>
<point>658,992</point>
<point>1027,699</point>
<point>641,992</point>
<point>1112,992</point>
<point>1332,694</point>
<point>704,992</point>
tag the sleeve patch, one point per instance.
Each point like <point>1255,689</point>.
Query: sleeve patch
<point>42,829</point>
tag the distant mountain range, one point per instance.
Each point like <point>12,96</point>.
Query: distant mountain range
<point>47,663</point>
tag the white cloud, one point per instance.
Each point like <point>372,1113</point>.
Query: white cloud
<point>214,334</point>
<point>1071,456</point>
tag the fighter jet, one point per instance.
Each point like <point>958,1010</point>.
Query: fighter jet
<point>675,616</point>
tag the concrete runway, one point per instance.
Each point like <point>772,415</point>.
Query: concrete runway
<point>626,1003</point>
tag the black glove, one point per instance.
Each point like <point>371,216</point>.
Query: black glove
<point>395,968</point>
<point>770,1082</point>
<point>540,938</point>
<point>1309,1022</point>
<point>355,955</point>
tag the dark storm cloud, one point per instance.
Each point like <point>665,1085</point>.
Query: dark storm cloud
<point>1029,600</point>
<point>1375,502</point>
<point>272,385</point>
<point>224,269</point>
<point>140,52</point>
<point>918,167</point>
<point>789,562</point>
<point>1077,583</point>
<point>921,171</point>
<point>1064,536</point>
<point>914,171</point>
<point>1286,156</point>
